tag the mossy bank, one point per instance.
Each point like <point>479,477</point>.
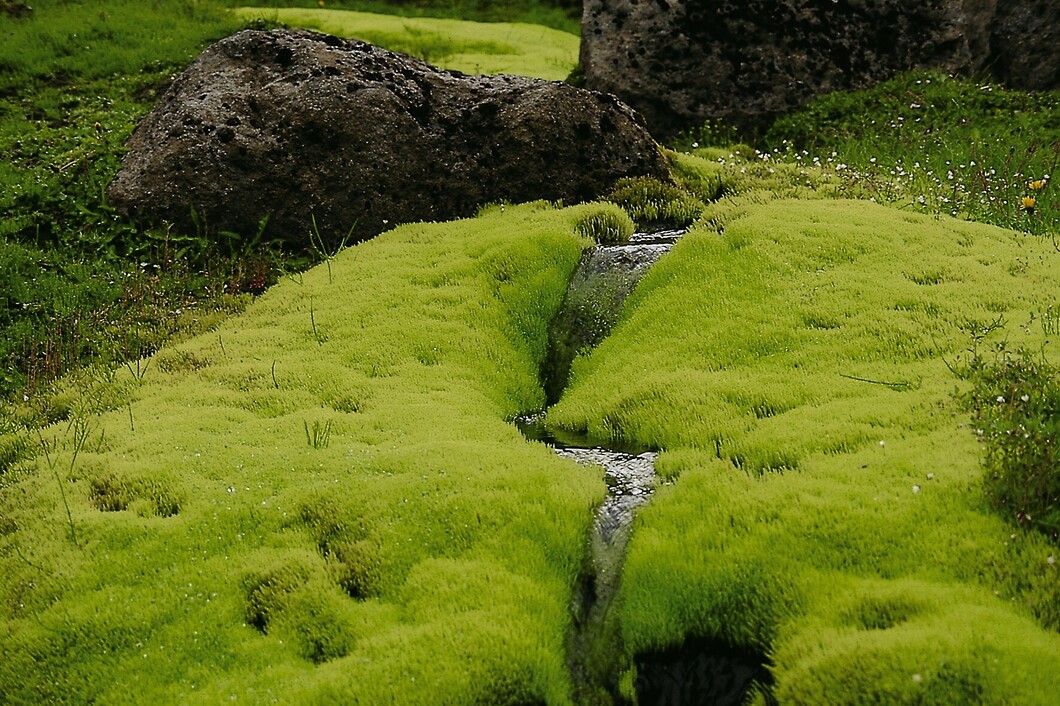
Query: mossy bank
<point>320,501</point>
<point>323,500</point>
<point>795,359</point>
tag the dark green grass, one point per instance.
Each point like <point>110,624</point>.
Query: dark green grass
<point>937,144</point>
<point>85,285</point>
<point>75,40</point>
<point>1015,401</point>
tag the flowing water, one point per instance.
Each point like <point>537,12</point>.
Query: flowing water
<point>604,278</point>
<point>700,671</point>
<point>630,477</point>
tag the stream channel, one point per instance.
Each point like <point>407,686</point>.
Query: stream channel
<point>699,671</point>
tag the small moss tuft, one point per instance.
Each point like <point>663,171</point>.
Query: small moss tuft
<point>606,224</point>
<point>360,566</point>
<point>267,589</point>
<point>113,492</point>
<point>654,204</point>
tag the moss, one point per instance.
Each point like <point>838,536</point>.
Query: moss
<point>14,449</point>
<point>111,492</point>
<point>792,358</point>
<point>953,646</point>
<point>606,224</point>
<point>654,204</point>
<point>358,522</point>
<point>469,47</point>
<point>425,549</point>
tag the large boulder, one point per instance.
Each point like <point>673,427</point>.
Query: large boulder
<point>743,62</point>
<point>317,132</point>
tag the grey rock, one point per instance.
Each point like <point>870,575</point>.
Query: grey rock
<point>744,62</point>
<point>303,127</point>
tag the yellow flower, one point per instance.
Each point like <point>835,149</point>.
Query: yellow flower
<point>1028,204</point>
<point>1036,185</point>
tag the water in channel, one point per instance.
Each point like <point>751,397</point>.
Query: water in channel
<point>701,671</point>
<point>594,643</point>
<point>605,277</point>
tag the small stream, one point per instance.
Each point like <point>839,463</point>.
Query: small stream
<point>605,277</point>
<point>700,671</point>
<point>629,473</point>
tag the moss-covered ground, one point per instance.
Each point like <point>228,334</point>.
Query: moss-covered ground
<point>459,45</point>
<point>321,500</point>
<point>793,359</point>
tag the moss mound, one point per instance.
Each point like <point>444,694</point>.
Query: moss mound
<point>321,501</point>
<point>459,45</point>
<point>793,359</point>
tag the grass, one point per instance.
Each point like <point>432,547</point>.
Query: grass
<point>939,145</point>
<point>82,285</point>
<point>72,41</point>
<point>469,47</point>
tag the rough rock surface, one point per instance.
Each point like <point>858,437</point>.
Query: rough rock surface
<point>681,62</point>
<point>15,8</point>
<point>306,127</point>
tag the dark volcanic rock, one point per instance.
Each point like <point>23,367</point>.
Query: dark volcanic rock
<point>1025,43</point>
<point>15,8</point>
<point>301,126</point>
<point>681,62</point>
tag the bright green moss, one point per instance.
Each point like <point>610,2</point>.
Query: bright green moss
<point>607,225</point>
<point>340,515</point>
<point>921,643</point>
<point>322,501</point>
<point>794,363</point>
<point>459,45</point>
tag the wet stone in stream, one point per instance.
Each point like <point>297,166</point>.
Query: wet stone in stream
<point>629,472</point>
<point>630,479</point>
<point>604,278</point>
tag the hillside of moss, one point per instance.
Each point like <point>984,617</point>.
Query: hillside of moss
<point>319,501</point>
<point>847,364</point>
